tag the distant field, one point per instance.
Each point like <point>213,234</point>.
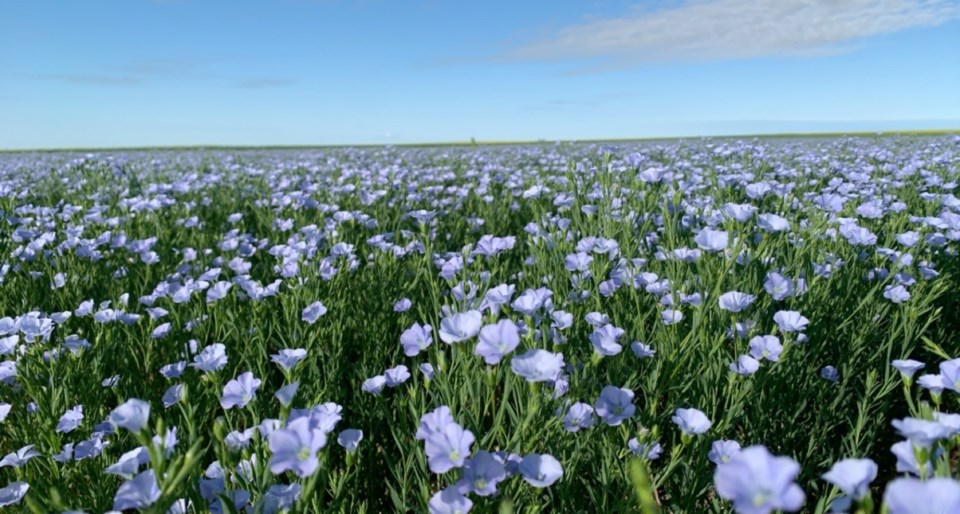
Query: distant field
<point>697,325</point>
<point>831,135</point>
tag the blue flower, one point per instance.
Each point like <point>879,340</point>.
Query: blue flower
<point>830,373</point>
<point>561,320</point>
<point>402,305</point>
<point>65,455</point>
<point>161,331</point>
<point>578,262</point>
<point>280,497</point>
<point>759,483</point>
<point>605,340</point>
<point>70,419</point>
<point>712,240</point>
<point>180,506</point>
<point>766,347</point>
<point>950,371</point>
<point>597,319</point>
<point>139,493</point>
<point>721,451</point>
<point>91,448</point>
<point>168,443</point>
<point>921,432</point>
<point>449,501</point>
<point>852,476</point>
<point>313,312</point>
<point>350,438</point>
<point>374,385</point>
<point>8,371</point>
<point>19,457</point>
<point>482,473</point>
<point>531,301</point>
<point>538,365</point>
<point>497,297</point>
<point>218,291</point>
<point>579,415</point>
<point>615,405</point>
<point>85,309</point>
<point>269,426</point>
<point>240,391</point>
<point>671,316</point>
<point>416,339</point>
<point>540,470</point>
<point>287,358</point>
<point>13,493</point>
<point>237,440</point>
<point>778,286</point>
<point>395,376</point>
<point>739,212</point>
<point>907,367</point>
<point>497,340</point>
<point>735,301</point>
<point>427,369</point>
<point>642,350</point>
<point>129,463</point>
<point>433,421</point>
<point>772,223</point>
<point>857,235</point>
<point>211,359</point>
<point>238,498</point>
<point>173,370</point>
<point>745,366</point>
<point>286,393</point>
<point>691,421</point>
<point>448,447</point>
<point>911,496</point>
<point>172,395</point>
<point>295,448</point>
<point>907,459</point>
<point>896,294</point>
<point>790,321</point>
<point>461,326</point>
<point>132,415</point>
<point>741,329</point>
<point>649,450</point>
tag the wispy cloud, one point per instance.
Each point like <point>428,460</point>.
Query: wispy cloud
<point>151,71</point>
<point>707,30</point>
<point>93,79</point>
<point>135,73</point>
<point>262,83</point>
<point>162,68</point>
<point>585,101</point>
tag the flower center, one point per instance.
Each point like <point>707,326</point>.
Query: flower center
<point>454,456</point>
<point>760,498</point>
<point>303,454</point>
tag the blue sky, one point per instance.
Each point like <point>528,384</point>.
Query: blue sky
<point>119,73</point>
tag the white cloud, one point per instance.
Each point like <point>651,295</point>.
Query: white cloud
<point>702,30</point>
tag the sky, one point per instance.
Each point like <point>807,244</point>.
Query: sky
<point>130,73</point>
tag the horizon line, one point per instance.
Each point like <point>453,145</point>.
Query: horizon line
<point>472,142</point>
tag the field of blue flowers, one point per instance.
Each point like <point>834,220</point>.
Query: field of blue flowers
<point>700,326</point>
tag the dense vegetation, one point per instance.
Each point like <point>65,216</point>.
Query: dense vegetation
<point>554,328</point>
